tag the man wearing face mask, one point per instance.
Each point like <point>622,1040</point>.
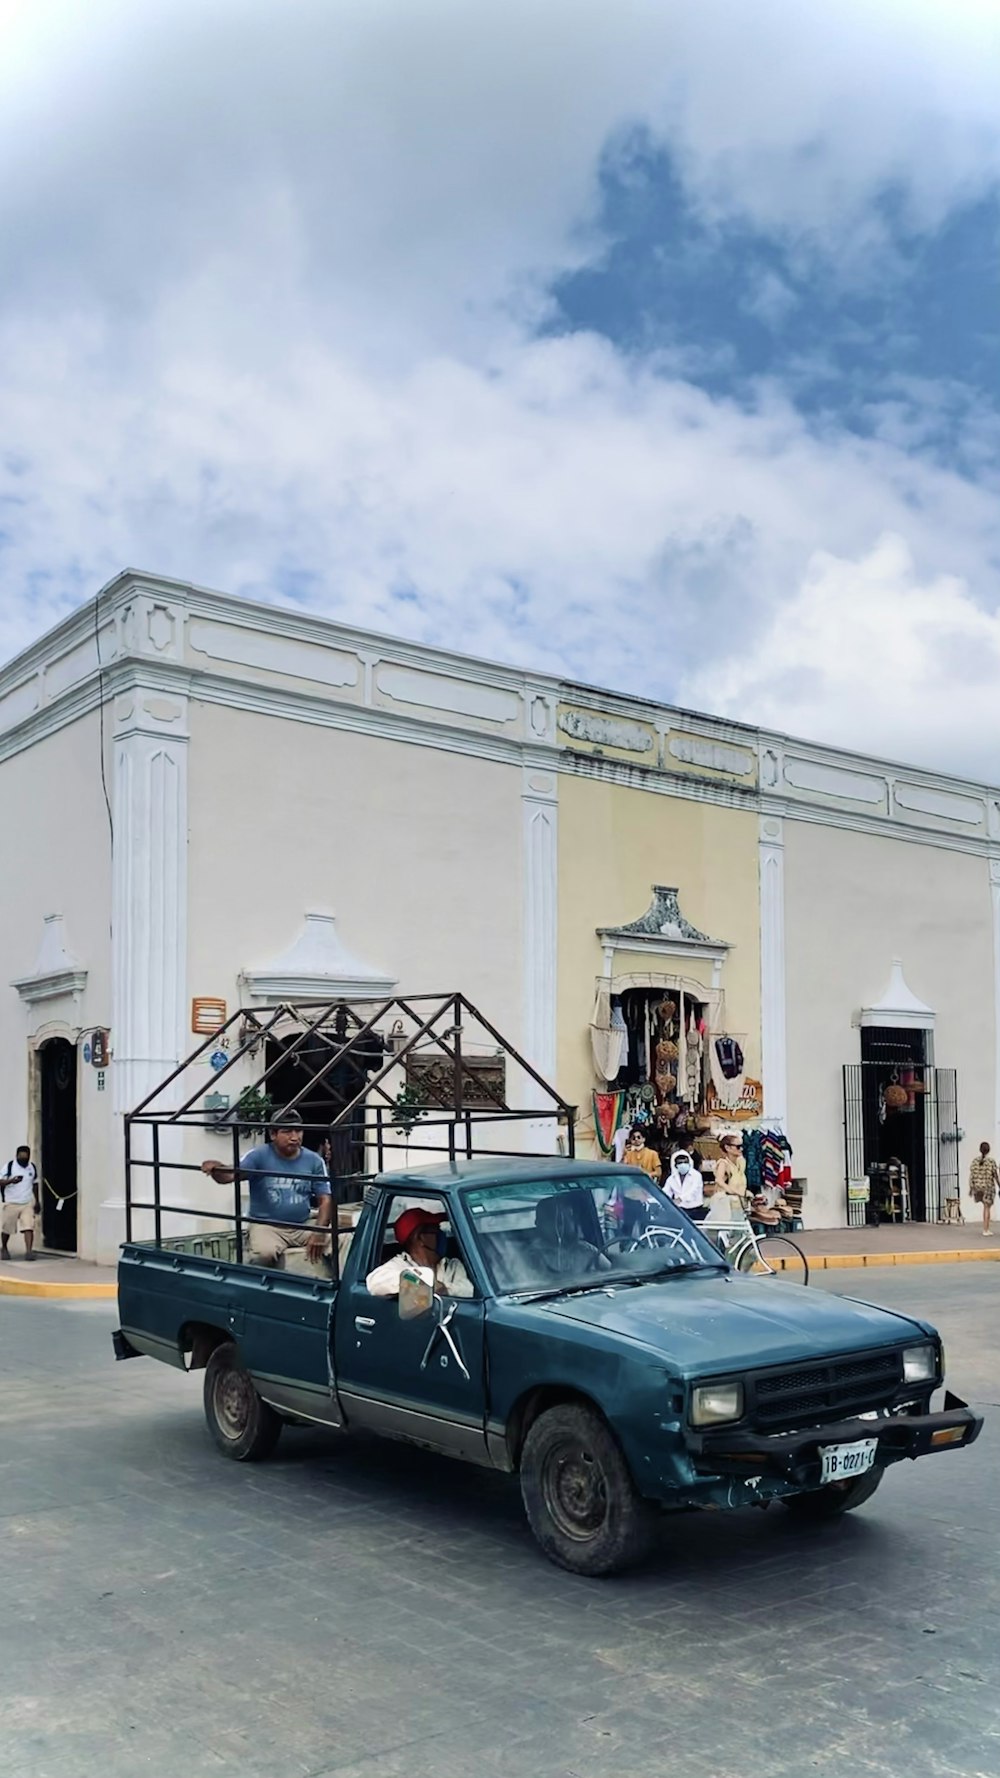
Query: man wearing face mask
<point>684,1184</point>
<point>422,1244</point>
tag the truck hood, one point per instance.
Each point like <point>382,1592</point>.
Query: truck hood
<point>706,1324</point>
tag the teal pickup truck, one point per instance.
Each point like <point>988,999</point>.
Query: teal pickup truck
<point>598,1345</point>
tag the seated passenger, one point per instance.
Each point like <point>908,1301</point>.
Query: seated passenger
<point>558,1250</point>
<point>421,1244</point>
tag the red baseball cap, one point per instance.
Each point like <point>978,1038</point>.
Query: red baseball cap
<point>406,1226</point>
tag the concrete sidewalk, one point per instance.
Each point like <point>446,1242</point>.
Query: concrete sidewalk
<point>53,1275</point>
<point>898,1244</point>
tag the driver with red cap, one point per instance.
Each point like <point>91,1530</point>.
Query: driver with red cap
<point>422,1248</point>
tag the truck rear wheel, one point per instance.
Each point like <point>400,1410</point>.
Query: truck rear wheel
<point>581,1502</point>
<point>834,1499</point>
<point>242,1425</point>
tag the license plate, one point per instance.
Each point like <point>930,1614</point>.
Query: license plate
<point>841,1463</point>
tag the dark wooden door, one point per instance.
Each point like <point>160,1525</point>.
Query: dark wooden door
<point>58,1158</point>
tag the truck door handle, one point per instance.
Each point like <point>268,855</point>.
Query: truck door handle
<point>361,1321</point>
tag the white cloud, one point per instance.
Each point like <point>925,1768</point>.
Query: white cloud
<point>868,654</point>
<point>271,283</point>
<point>797,116</point>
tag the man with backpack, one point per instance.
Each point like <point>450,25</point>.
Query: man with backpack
<point>19,1192</point>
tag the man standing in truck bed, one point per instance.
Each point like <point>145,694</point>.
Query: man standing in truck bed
<point>284,1178</point>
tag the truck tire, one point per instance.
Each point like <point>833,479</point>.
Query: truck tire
<point>834,1499</point>
<point>242,1425</point>
<point>581,1501</point>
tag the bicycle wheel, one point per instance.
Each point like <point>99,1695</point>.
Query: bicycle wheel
<point>774,1256</point>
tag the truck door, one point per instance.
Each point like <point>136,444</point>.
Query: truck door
<point>421,1380</point>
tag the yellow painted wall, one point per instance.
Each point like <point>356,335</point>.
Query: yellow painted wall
<point>614,844</point>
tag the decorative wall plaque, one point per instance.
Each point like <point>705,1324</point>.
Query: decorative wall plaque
<point>484,1081</point>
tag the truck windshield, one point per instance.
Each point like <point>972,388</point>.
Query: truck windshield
<point>566,1232</point>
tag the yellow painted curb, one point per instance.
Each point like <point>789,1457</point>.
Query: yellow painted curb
<point>822,1262</point>
<point>82,1292</point>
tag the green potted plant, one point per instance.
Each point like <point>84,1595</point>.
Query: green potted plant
<point>253,1111</point>
<point>410,1107</point>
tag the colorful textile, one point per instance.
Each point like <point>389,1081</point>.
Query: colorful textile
<point>609,1109</point>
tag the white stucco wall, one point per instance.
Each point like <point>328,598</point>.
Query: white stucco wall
<point>57,859</point>
<point>416,851</point>
<point>853,902</point>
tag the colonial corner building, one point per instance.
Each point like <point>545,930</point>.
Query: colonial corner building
<point>210,801</point>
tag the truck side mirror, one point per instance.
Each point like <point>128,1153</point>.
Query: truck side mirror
<point>416,1298</point>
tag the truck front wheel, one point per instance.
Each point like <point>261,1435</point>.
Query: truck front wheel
<point>242,1425</point>
<point>580,1499</point>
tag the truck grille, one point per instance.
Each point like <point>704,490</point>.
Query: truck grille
<point>805,1394</point>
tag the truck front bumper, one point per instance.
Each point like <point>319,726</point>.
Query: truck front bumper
<point>795,1456</point>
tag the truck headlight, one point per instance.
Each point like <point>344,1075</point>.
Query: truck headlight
<point>920,1364</point>
<point>714,1403</point>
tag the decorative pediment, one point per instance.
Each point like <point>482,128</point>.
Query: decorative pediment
<point>318,966</point>
<point>899,1009</point>
<point>57,972</point>
<point>664,929</point>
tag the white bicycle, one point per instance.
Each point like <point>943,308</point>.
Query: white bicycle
<point>765,1255</point>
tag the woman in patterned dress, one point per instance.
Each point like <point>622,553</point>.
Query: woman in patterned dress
<point>983,1183</point>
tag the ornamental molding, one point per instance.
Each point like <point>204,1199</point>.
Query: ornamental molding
<point>606,731</point>
<point>151,634</point>
<point>318,966</point>
<point>664,931</point>
<point>713,756</point>
<point>57,972</point>
<point>899,1009</point>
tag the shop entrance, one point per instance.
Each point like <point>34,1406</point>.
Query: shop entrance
<point>900,1129</point>
<point>57,1161</point>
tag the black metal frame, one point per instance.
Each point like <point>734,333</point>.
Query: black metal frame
<point>347,1027</point>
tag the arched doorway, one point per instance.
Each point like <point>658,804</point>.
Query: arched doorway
<point>59,1142</point>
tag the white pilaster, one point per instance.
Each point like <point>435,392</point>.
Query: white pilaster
<point>148,918</point>
<point>774,1053</point>
<point>540,866</point>
<point>995,893</point>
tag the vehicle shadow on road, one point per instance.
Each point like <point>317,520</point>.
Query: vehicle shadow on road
<point>435,1498</point>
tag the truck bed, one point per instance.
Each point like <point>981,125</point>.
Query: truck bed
<point>177,1305</point>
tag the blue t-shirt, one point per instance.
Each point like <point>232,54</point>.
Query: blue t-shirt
<point>273,1193</point>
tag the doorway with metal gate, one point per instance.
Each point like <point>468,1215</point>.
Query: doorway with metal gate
<point>900,1130</point>
<point>57,1064</point>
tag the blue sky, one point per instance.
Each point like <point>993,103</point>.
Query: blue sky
<point>654,344</point>
<point>743,303</point>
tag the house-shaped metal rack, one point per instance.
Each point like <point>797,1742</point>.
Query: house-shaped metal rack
<point>372,1070</point>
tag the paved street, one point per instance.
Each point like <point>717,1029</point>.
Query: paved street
<point>369,1612</point>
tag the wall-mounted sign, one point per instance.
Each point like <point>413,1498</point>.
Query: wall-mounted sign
<point>100,1048</point>
<point>749,1105</point>
<point>207,1015</point>
<point>218,1059</point>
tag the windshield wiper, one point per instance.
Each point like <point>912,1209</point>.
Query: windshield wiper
<point>543,1296</point>
<point>694,1265</point>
